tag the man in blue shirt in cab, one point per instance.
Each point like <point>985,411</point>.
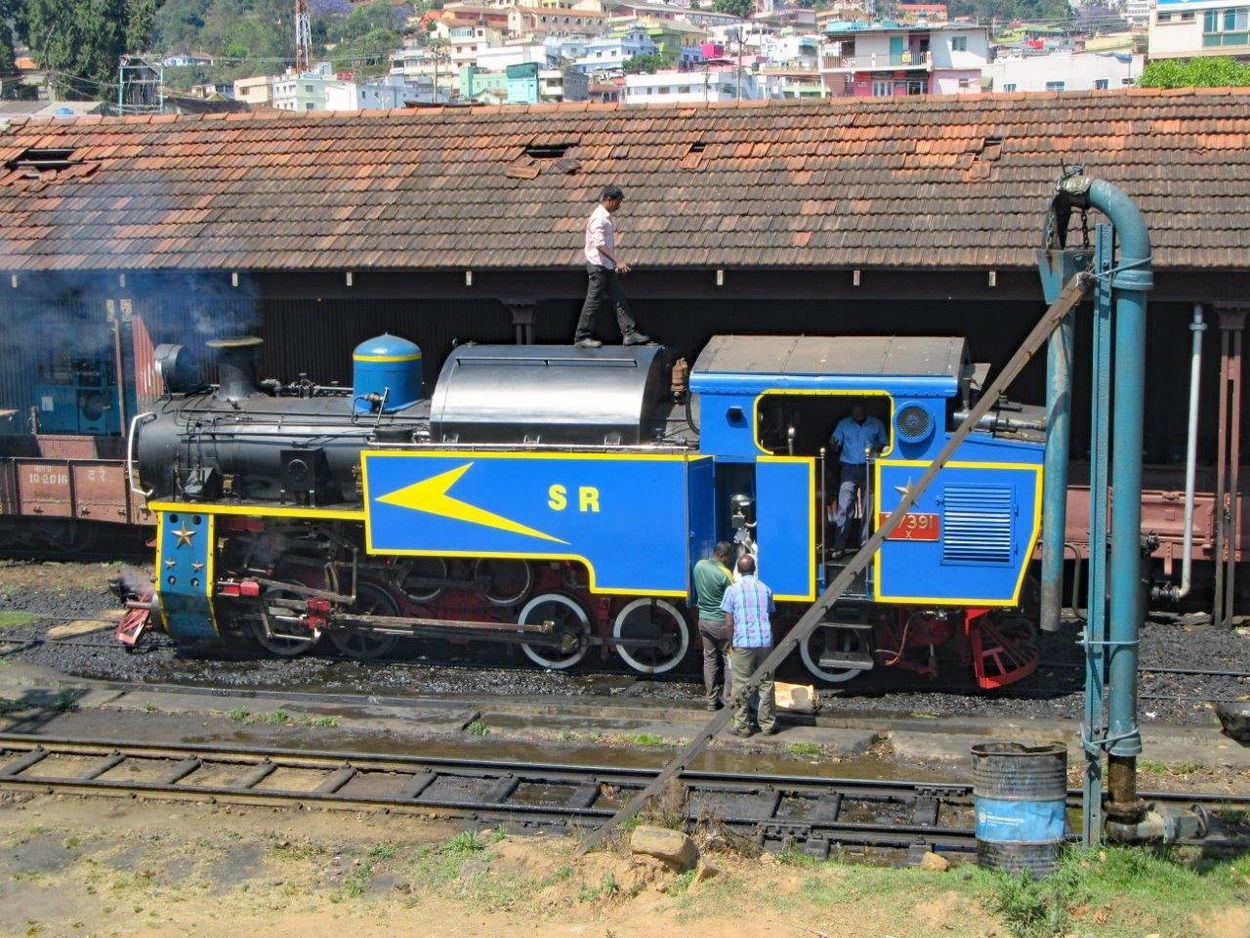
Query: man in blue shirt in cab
<point>748,607</point>
<point>855,438</point>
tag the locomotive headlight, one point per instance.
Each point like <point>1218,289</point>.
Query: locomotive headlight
<point>914,424</point>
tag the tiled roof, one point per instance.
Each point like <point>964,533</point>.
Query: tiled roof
<point>922,182</point>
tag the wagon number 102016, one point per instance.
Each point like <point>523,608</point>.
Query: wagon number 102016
<point>48,478</point>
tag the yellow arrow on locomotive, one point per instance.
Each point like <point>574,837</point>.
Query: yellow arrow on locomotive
<point>431,496</point>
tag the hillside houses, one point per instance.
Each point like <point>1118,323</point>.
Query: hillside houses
<point>655,52</point>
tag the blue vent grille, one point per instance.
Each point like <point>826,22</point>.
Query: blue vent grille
<point>976,526</point>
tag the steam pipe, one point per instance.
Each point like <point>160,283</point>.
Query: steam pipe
<point>1172,591</point>
<point>132,469</point>
<point>1055,472</point>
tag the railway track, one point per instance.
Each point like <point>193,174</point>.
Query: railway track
<point>775,811</point>
<point>819,816</point>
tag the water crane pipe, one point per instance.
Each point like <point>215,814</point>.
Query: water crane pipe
<point>1130,280</point>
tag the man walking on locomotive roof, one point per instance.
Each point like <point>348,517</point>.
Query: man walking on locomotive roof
<point>854,437</point>
<point>748,605</point>
<point>711,579</point>
<point>604,267</point>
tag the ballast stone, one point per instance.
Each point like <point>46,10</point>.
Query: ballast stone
<point>673,847</point>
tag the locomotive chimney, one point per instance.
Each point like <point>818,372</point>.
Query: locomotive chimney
<point>237,361</point>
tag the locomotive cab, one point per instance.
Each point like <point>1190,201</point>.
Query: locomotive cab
<point>768,406</point>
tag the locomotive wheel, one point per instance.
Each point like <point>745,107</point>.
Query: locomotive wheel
<point>658,623</point>
<point>366,646</point>
<point>281,638</point>
<point>510,580</point>
<point>571,623</point>
<point>836,640</point>
<point>424,568</point>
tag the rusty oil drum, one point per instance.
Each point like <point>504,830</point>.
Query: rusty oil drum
<point>1020,795</point>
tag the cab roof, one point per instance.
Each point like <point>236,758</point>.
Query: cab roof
<point>929,365</point>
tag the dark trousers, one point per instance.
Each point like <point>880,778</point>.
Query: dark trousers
<point>716,674</point>
<point>851,510</point>
<point>743,662</point>
<point>604,287</point>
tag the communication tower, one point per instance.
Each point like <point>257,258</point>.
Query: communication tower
<point>303,36</point>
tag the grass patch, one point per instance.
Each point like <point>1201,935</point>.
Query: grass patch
<point>387,850</point>
<point>276,718</point>
<point>438,864</point>
<point>65,701</point>
<point>238,714</point>
<point>477,728</point>
<point>325,721</point>
<point>804,749</point>
<point>12,620</point>
<point>608,887</point>
<point>647,739</point>
<point>1122,892</point>
<point>296,851</point>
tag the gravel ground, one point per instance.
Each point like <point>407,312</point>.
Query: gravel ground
<point>63,590</point>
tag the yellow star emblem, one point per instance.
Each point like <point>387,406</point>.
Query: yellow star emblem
<point>184,536</point>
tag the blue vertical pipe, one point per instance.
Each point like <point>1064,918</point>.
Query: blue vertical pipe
<point>1095,729</point>
<point>1130,282</point>
<point>1055,490</point>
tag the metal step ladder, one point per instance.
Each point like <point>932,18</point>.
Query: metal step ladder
<point>835,659</point>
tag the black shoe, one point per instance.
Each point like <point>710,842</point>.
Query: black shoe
<point>713,706</point>
<point>588,342</point>
<point>771,731</point>
<point>636,338</point>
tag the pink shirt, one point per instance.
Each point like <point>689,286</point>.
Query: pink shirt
<point>600,233</point>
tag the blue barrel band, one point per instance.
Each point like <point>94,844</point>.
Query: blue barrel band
<point>1024,822</point>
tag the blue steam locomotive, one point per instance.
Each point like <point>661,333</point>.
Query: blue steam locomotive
<point>556,498</point>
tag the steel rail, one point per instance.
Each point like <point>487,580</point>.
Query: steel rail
<point>817,814</point>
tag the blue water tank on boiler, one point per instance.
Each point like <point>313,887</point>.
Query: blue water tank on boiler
<point>386,374</point>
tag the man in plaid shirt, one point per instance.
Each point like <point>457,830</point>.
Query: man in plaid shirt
<point>747,606</point>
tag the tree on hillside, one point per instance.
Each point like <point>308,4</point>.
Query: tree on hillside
<point>647,62</point>
<point>739,8</point>
<point>1219,72</point>
<point>366,56</point>
<point>178,24</point>
<point>366,19</point>
<point>8,24</point>
<point>79,43</point>
<point>1054,12</point>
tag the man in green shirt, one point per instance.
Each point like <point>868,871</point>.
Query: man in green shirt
<point>711,579</point>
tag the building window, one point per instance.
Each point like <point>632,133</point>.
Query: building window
<point>959,43</point>
<point>1187,17</point>
<point>1101,84</point>
<point>1165,17</point>
<point>883,89</point>
<point>1226,27</point>
<point>1055,85</point>
<point>1009,86</point>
